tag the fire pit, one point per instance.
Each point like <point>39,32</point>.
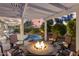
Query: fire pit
<point>40,48</point>
<point>40,45</point>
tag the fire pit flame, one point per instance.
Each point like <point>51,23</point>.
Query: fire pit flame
<point>40,45</point>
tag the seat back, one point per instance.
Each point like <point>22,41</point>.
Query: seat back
<point>13,38</point>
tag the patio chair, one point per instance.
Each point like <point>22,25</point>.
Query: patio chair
<point>16,51</point>
<point>1,50</point>
<point>13,39</point>
<point>71,53</point>
<point>67,39</point>
<point>77,53</point>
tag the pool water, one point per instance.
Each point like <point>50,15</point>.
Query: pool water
<point>34,37</point>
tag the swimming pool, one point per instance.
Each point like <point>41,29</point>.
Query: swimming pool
<point>34,37</point>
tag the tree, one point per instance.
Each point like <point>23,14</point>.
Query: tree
<point>35,30</point>
<point>49,23</point>
<point>27,26</point>
<point>42,28</point>
<point>59,29</point>
<point>71,26</point>
<point>16,29</point>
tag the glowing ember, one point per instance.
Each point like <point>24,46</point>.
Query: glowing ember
<point>40,45</point>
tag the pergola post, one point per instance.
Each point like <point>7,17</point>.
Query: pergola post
<point>76,9</point>
<point>21,32</point>
<point>22,25</point>
<point>45,30</point>
<point>77,31</point>
<point>77,28</point>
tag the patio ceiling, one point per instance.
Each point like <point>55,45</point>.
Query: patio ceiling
<point>42,10</point>
<point>13,10</point>
<point>10,12</point>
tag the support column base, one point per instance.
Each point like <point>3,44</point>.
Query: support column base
<point>20,42</point>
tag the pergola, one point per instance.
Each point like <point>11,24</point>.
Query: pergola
<point>18,13</point>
